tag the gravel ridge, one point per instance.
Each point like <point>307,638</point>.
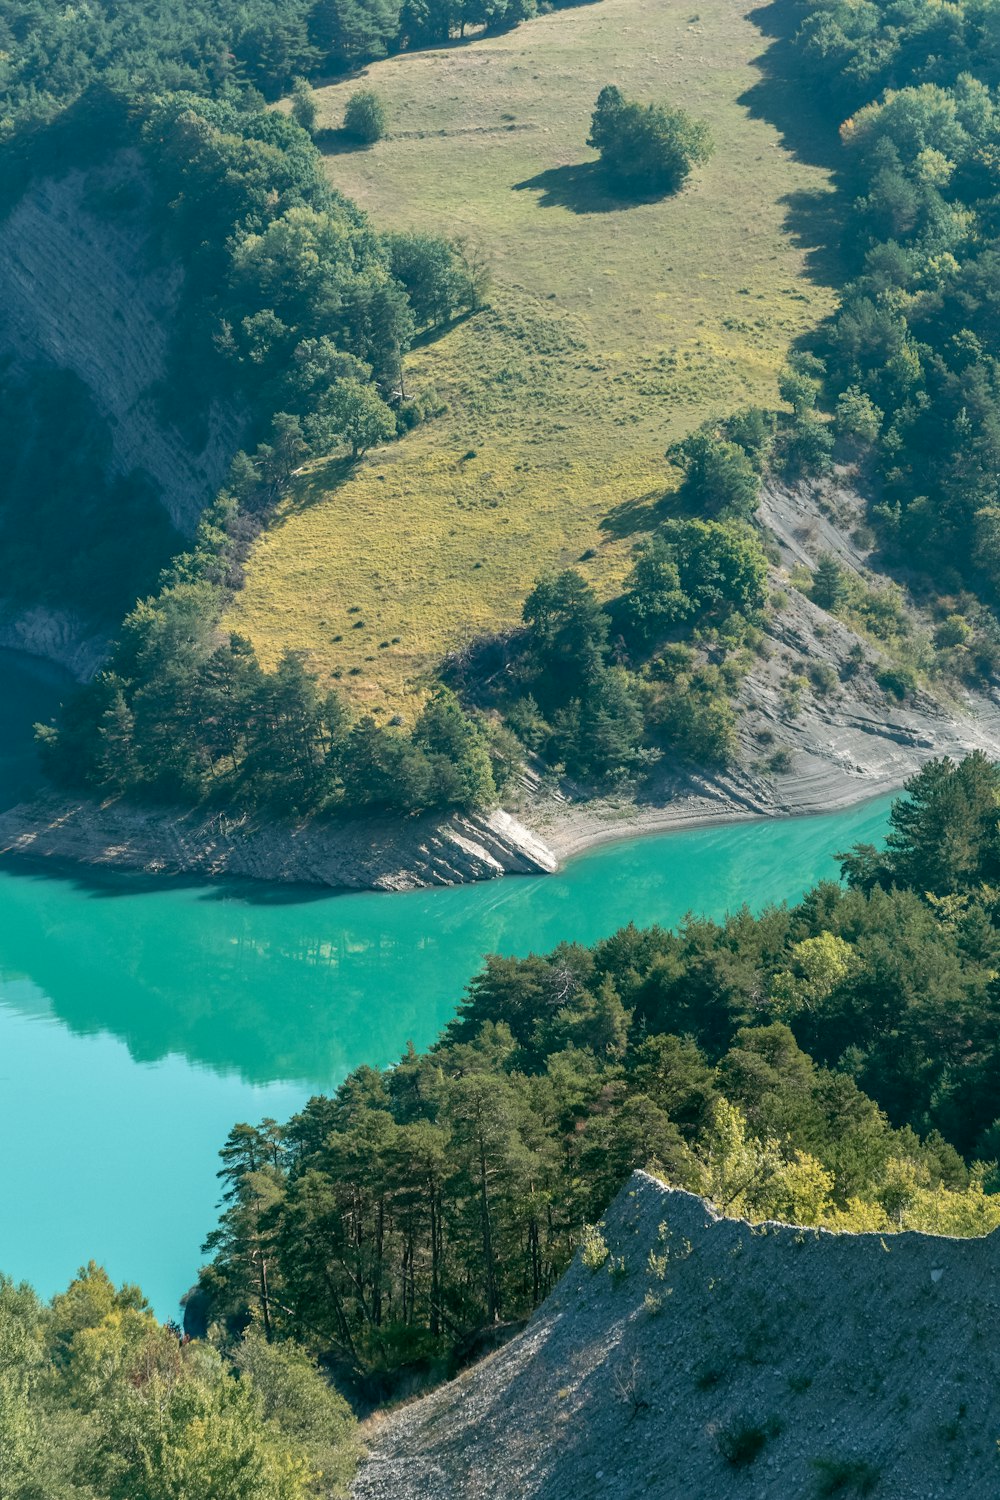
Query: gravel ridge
<point>877,1352</point>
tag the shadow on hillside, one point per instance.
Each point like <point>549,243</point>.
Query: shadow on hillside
<point>784,96</point>
<point>582,187</point>
<point>642,514</point>
<point>807,123</point>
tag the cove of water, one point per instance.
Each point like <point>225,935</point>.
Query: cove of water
<point>139,1020</point>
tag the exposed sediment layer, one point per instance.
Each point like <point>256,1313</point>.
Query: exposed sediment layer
<point>369,854</point>
<point>84,290</point>
<point>863,1363</point>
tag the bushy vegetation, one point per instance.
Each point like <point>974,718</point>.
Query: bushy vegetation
<point>364,117</point>
<point>557,402</point>
<point>98,1401</point>
<point>51,56</point>
<point>910,357</point>
<point>832,1063</point>
<point>291,308</point>
<point>646,148</point>
<point>604,691</point>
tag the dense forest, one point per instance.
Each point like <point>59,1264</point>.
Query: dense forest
<point>833,1063</point>
<point>913,91</point>
<point>99,1401</point>
<point>51,55</point>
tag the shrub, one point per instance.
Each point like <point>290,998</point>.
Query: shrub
<point>304,107</point>
<point>647,147</point>
<point>364,117</point>
<point>844,1476</point>
<point>822,676</point>
<point>593,1248</point>
<point>900,682</point>
<point>741,1444</point>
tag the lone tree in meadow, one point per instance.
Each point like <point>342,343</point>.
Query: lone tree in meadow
<point>646,148</point>
<point>364,117</point>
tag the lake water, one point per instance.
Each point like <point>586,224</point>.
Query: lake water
<point>140,1020</point>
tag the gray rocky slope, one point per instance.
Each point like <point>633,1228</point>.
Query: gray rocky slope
<point>830,1364</point>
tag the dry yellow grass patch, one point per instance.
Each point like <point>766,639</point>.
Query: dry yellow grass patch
<point>613,329</point>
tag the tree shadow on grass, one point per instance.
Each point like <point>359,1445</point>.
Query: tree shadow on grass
<point>807,121</point>
<point>644,513</point>
<point>785,97</point>
<point>582,187</point>
<point>335,142</point>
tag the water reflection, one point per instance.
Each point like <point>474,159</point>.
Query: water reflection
<point>303,992</point>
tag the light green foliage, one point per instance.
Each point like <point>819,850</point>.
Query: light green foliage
<point>365,116</point>
<point>857,416</point>
<point>99,1402</point>
<point>314,1417</point>
<point>594,1250</point>
<point>355,414</point>
<point>819,964</point>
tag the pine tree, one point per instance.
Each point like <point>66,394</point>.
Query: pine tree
<point>829,587</point>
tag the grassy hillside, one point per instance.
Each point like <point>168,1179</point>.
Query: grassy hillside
<point>612,330</point>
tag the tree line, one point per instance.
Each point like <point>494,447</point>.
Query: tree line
<point>913,91</point>
<point>831,1063</point>
<point>52,56</point>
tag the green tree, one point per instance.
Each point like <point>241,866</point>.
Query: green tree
<point>719,478</point>
<point>647,147</point>
<point>654,601</point>
<point>829,586</point>
<point>357,415</point>
<point>304,105</point>
<point>365,116</point>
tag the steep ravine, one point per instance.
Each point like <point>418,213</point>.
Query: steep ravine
<point>867,1364</point>
<point>84,290</point>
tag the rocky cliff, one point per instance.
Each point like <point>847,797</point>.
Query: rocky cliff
<point>85,291</point>
<point>707,1359</point>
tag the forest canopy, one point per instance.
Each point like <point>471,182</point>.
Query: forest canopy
<point>831,1063</point>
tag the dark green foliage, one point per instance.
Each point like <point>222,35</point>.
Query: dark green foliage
<point>203,46</point>
<point>829,587</point>
<point>911,353</point>
<point>654,601</point>
<point>741,1443</point>
<point>646,148</point>
<point>365,117</point>
<point>845,1476</point>
<point>177,716</point>
<point>604,705</point>
<point>423,1201</point>
<point>945,833</point>
<point>438,278</point>
<point>719,477</point>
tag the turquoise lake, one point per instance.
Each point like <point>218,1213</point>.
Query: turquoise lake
<point>140,1020</point>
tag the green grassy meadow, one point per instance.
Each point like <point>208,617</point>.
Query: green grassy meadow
<point>613,329</point>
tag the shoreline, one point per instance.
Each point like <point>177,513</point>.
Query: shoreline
<point>71,836</point>
<point>671,820</point>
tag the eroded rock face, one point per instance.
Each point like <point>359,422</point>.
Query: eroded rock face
<point>81,290</point>
<point>376,853</point>
<point>860,1360</point>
